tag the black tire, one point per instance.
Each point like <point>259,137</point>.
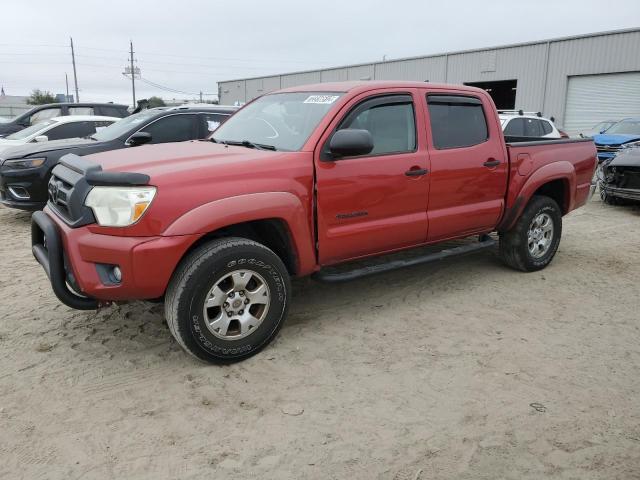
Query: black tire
<point>198,273</point>
<point>514,248</point>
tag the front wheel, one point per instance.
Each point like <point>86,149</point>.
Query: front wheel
<point>227,300</point>
<point>533,241</point>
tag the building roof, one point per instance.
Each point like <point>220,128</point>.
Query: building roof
<point>458,52</point>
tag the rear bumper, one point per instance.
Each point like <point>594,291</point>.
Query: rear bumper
<point>79,257</point>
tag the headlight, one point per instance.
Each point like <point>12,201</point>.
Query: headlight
<point>631,144</point>
<point>119,206</point>
<point>24,162</point>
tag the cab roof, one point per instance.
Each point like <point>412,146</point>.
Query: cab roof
<point>366,85</point>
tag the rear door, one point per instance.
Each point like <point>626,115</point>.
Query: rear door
<point>468,165</point>
<point>376,202</point>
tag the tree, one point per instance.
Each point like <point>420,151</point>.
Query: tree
<point>156,102</point>
<point>38,97</point>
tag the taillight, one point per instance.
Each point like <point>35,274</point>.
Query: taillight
<point>563,134</point>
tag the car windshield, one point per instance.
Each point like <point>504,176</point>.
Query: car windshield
<point>124,126</point>
<point>22,134</point>
<point>626,127</point>
<point>280,120</point>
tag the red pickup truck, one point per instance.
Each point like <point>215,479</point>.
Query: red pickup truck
<point>294,183</point>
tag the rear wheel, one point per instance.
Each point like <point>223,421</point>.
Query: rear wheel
<point>533,241</point>
<point>227,299</point>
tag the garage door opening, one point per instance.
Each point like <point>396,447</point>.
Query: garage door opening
<point>503,92</point>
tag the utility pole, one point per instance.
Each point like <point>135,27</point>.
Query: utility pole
<point>75,75</point>
<point>200,96</point>
<point>66,81</point>
<point>133,76</point>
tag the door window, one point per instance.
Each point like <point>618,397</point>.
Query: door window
<point>525,127</point>
<point>456,121</point>
<point>44,114</point>
<point>80,110</point>
<point>515,127</point>
<point>174,128</point>
<point>390,120</point>
<point>71,130</point>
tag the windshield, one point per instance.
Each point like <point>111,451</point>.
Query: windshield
<point>626,127</point>
<point>282,120</point>
<point>22,134</point>
<point>122,127</point>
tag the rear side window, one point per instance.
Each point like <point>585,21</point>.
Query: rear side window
<point>390,120</point>
<point>456,121</point>
<point>546,127</point>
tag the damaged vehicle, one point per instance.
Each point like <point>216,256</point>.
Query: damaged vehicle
<point>619,177</point>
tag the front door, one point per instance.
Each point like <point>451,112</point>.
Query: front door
<point>376,202</point>
<point>469,167</point>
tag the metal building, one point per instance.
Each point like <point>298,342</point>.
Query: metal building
<point>578,80</point>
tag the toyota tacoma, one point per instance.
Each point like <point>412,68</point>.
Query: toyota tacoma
<point>295,183</point>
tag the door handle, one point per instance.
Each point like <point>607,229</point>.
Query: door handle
<point>492,162</point>
<point>416,172</point>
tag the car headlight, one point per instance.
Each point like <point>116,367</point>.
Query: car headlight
<point>119,206</point>
<point>631,144</point>
<point>24,162</point>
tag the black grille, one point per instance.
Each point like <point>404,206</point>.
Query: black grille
<point>608,148</point>
<point>68,189</point>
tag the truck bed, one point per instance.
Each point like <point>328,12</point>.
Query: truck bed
<point>530,157</point>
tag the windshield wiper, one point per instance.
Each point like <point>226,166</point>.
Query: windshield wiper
<point>248,144</point>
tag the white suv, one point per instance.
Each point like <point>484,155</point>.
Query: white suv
<point>516,123</point>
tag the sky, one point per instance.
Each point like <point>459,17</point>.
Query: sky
<point>190,45</point>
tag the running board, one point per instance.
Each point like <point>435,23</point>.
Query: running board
<point>324,276</point>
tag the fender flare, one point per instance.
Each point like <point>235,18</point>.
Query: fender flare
<point>561,170</point>
<point>229,211</point>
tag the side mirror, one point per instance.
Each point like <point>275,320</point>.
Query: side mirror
<point>351,142</point>
<point>139,138</point>
<point>41,138</point>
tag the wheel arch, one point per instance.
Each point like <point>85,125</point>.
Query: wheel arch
<point>277,220</point>
<point>555,180</point>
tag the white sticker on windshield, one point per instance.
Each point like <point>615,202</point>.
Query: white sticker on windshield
<point>322,99</point>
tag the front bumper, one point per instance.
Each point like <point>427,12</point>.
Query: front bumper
<point>75,260</point>
<point>627,193</point>
<point>31,183</point>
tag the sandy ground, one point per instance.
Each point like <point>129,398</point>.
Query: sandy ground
<point>465,370</point>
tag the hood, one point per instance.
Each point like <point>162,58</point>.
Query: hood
<point>4,143</point>
<point>614,139</point>
<point>163,161</point>
<point>628,157</point>
<point>33,148</point>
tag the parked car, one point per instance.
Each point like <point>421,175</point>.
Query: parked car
<point>45,112</point>
<point>517,123</point>
<point>623,133</point>
<point>27,169</point>
<point>296,182</point>
<point>619,177</point>
<point>57,128</point>
<point>599,128</point>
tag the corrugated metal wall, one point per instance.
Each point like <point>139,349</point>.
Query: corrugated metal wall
<point>541,69</point>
